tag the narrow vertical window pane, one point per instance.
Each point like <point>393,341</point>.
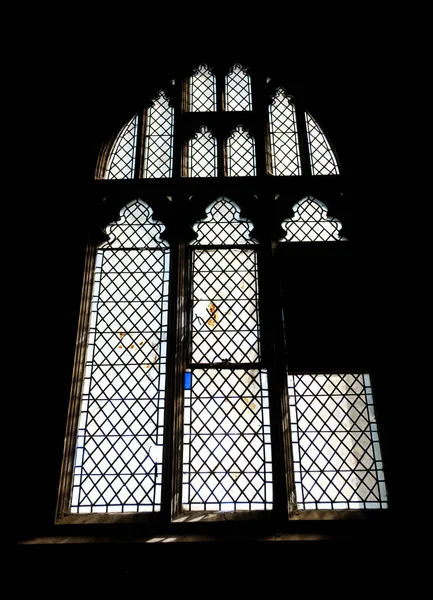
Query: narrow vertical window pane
<point>337,457</point>
<point>118,458</point>
<point>323,161</point>
<point>158,156</point>
<point>241,154</point>
<point>202,86</point>
<point>227,452</point>
<point>121,161</point>
<point>203,154</point>
<point>311,223</point>
<point>238,90</point>
<point>284,136</point>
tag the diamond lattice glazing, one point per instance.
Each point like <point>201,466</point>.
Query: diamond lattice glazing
<point>284,136</point>
<point>311,223</point>
<point>118,458</point>
<point>241,154</point>
<point>202,86</point>
<point>158,161</point>
<point>227,451</point>
<point>337,457</point>
<point>203,154</point>
<point>121,162</point>
<point>322,159</point>
<point>238,90</point>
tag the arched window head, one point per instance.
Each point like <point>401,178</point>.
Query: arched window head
<point>311,223</point>
<point>227,450</point>
<point>203,154</point>
<point>322,158</point>
<point>238,89</point>
<point>202,90</point>
<point>241,154</point>
<point>122,158</point>
<point>223,225</point>
<point>284,135</point>
<point>118,457</point>
<point>152,157</point>
<point>158,142</point>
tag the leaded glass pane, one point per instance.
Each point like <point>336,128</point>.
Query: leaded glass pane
<point>223,225</point>
<point>202,87</point>
<point>311,223</point>
<point>336,450</point>
<point>284,136</point>
<point>118,457</point>
<point>225,312</point>
<point>203,154</point>
<point>238,90</point>
<point>227,446</point>
<point>323,161</point>
<point>121,161</point>
<point>241,154</point>
<point>158,160</point>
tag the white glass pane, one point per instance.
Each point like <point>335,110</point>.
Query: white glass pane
<point>118,458</point>
<point>202,87</point>
<point>336,464</point>
<point>311,223</point>
<point>322,159</point>
<point>284,136</point>
<point>227,453</point>
<point>203,154</point>
<point>158,160</point>
<point>238,90</point>
<point>241,154</point>
<point>121,161</point>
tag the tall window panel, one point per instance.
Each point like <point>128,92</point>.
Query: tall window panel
<point>241,154</point>
<point>337,456</point>
<point>121,161</point>
<point>311,223</point>
<point>227,446</point>
<point>158,141</point>
<point>284,136</point>
<point>238,90</point>
<point>202,90</point>
<point>202,151</point>
<point>322,158</point>
<point>118,457</point>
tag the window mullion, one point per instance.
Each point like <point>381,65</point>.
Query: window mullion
<point>302,136</point>
<point>273,352</point>
<point>141,142</point>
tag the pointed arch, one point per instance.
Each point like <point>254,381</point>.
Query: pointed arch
<point>238,89</point>
<point>284,135</point>
<point>202,90</point>
<point>203,154</point>
<point>241,154</point>
<point>158,139</point>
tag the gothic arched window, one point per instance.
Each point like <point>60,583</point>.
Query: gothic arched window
<point>216,368</point>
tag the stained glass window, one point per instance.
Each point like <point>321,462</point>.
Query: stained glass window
<point>337,456</point>
<point>158,157</point>
<point>227,451</point>
<point>322,158</point>
<point>121,162</point>
<point>202,89</point>
<point>241,154</point>
<point>238,90</point>
<point>203,154</point>
<point>284,136</point>
<point>311,223</point>
<point>118,457</point>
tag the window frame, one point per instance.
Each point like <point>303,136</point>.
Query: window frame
<point>169,200</point>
